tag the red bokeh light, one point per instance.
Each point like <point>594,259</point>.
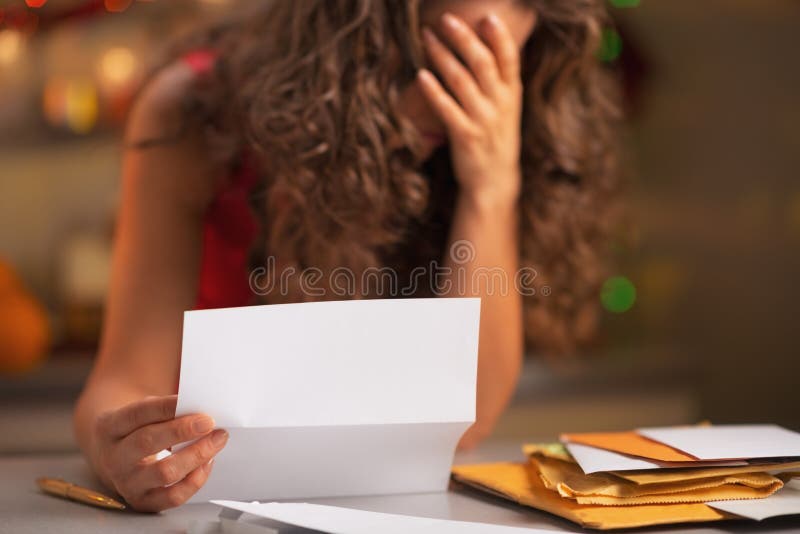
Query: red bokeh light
<point>116,6</point>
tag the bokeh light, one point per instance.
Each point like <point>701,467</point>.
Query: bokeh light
<point>71,103</point>
<point>610,45</point>
<point>117,6</point>
<point>625,3</point>
<point>118,66</point>
<point>53,101</point>
<point>82,106</point>
<point>618,294</point>
<point>10,46</point>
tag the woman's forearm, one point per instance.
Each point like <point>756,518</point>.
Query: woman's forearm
<point>483,257</point>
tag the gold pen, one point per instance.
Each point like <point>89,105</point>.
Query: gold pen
<point>56,486</point>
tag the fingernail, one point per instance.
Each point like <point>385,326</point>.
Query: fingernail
<point>203,425</point>
<point>493,20</point>
<point>219,437</point>
<point>450,20</point>
<point>424,75</point>
<point>207,467</point>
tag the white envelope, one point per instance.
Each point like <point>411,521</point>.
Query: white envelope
<point>786,501</point>
<point>332,398</point>
<point>728,441</point>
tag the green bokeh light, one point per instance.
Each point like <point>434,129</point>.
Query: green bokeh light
<point>611,45</point>
<point>618,294</point>
<point>625,3</point>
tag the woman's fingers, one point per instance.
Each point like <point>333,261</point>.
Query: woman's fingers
<point>458,79</point>
<point>154,438</point>
<point>480,59</point>
<point>134,433</point>
<point>499,38</point>
<point>448,110</point>
<point>174,468</point>
<point>119,423</point>
<point>158,499</point>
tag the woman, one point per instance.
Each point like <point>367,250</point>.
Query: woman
<point>353,134</point>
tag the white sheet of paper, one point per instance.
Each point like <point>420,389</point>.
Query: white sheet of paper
<point>336,520</point>
<point>332,398</point>
<point>728,441</point>
<point>785,501</point>
<point>594,460</point>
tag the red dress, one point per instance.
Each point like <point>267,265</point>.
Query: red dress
<point>229,229</point>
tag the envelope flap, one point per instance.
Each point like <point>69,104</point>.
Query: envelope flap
<point>629,443</point>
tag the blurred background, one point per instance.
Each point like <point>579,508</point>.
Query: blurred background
<point>699,317</point>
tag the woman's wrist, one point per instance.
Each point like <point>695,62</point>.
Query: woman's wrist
<point>490,199</point>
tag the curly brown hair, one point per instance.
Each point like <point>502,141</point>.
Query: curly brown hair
<point>307,90</point>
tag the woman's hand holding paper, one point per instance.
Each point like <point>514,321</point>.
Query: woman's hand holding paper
<point>127,443</point>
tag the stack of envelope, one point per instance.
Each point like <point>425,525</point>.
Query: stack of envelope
<point>653,476</point>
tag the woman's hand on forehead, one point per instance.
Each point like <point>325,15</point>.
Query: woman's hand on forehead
<point>518,19</point>
<point>478,100</point>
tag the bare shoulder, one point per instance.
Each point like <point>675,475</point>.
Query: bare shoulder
<point>158,110</point>
<point>181,161</point>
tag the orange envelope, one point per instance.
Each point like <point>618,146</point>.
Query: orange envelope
<point>630,443</point>
<point>521,483</point>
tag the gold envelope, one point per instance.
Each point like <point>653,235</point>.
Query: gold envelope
<point>567,479</point>
<point>671,475</point>
<point>521,483</point>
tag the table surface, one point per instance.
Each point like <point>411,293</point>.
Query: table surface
<point>24,509</point>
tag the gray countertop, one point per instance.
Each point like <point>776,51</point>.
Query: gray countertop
<point>23,509</point>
